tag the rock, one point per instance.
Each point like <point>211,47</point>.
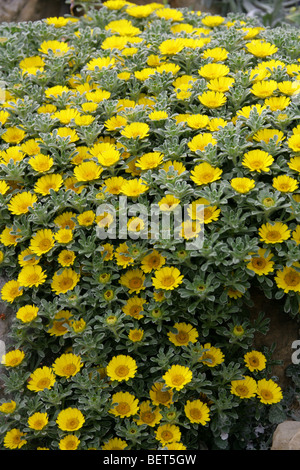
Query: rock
<point>287,436</point>
<point>283,331</point>
<point>6,316</point>
<point>30,10</point>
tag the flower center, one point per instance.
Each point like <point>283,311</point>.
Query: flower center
<point>242,390</point>
<point>195,413</point>
<point>182,337</point>
<point>162,397</point>
<point>167,435</point>
<point>168,281</point>
<point>178,379</point>
<point>43,383</point>
<point>266,394</point>
<point>273,235</point>
<point>123,408</point>
<point>135,282</point>
<point>147,417</point>
<point>69,369</point>
<point>72,423</point>
<point>259,263</point>
<point>292,278</point>
<point>121,371</point>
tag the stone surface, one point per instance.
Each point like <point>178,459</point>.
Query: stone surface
<point>287,436</point>
<point>30,10</point>
<point>283,332</point>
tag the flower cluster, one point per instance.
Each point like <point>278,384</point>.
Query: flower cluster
<point>134,342</point>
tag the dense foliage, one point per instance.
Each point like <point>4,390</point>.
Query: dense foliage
<point>139,340</point>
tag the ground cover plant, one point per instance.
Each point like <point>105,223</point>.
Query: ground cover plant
<point>141,339</point>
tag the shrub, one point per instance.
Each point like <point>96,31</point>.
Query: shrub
<point>134,335</point>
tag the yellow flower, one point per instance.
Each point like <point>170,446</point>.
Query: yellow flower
<point>134,187</point>
<point>168,203</point>
<point>21,202</point>
<point>114,184</point>
<point>64,220</point>
<point>45,183</point>
<point>58,48</point>
<point>66,258</point>
<point>277,103</point>
<point>265,135</point>
<point>121,368</point>
<point>8,237</point>
<point>57,22</point>
<point>177,377</point>
<point>136,335</point>
<point>212,99</point>
<point>213,70</point>
<point>115,443</point>
<point>160,395</point>
<point>134,306</point>
<point>171,46</point>
<point>4,187</point>
<point>148,415</point>
<point>64,281</point>
<point>294,142</point>
<point>123,27</point>
<point>136,130</point>
<point>204,173</point>
<point>242,185</point>
<point>122,255</point>
<point>69,442</point>
<point>41,163</point>
<point>218,54</point>
<point>42,242</point>
<point>244,388</point>
<point>8,407</point>
<point>197,412</point>
<point>260,263</point>
<point>40,379</point>
<point>257,160</point>
<point>288,279</point>
<point>167,278</point>
<point>11,290</point>
<point>100,62</point>
<point>152,261</point>
<point>124,405</point>
<point>31,276</point>
<point>288,87</point>
<point>220,84</point>
<point>185,333</point>
<point>27,313</point>
<point>107,155</point>
<point>32,65</point>
<point>70,419</point>
<point>296,235</point>
<point>212,20</point>
<point>13,135</point>
<point>115,123</point>
<point>64,235</point>
<point>260,48</point>
<point>269,392</point>
<point>38,421</point>
<point>255,361</point>
<point>168,434</point>
<point>133,280</point>
<point>285,183</point>
<point>276,232</point>
<point>169,14</point>
<point>212,357</point>
<point>13,439</point>
<point>294,164</point>
<point>87,171</point>
<point>13,358</point>
<point>158,115</point>
<point>61,322</point>
<point>149,160</point>
<point>67,365</point>
<point>264,88</point>
<point>200,141</point>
